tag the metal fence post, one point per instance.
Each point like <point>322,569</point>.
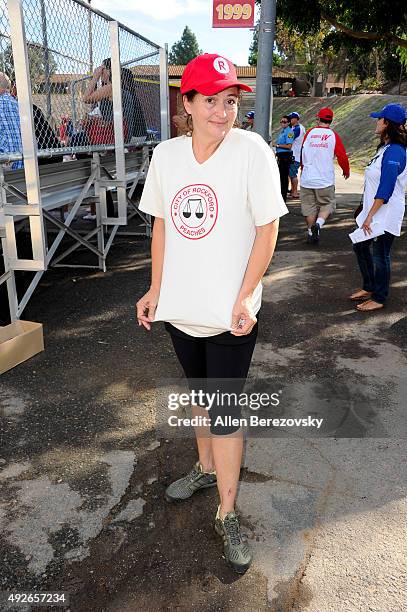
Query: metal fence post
<point>101,194</point>
<point>47,81</point>
<point>264,78</point>
<point>8,272</point>
<point>90,39</point>
<point>164,94</point>
<point>23,82</point>
<point>118,124</point>
<point>10,283</point>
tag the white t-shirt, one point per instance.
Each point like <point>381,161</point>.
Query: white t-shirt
<point>390,215</point>
<point>297,144</point>
<point>211,211</point>
<point>319,148</point>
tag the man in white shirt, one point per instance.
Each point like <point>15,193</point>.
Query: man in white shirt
<point>249,124</point>
<point>320,146</point>
<point>299,132</point>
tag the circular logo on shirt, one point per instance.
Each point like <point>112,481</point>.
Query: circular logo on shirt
<point>221,65</point>
<point>194,211</point>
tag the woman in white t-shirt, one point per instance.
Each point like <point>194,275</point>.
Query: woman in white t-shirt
<point>383,207</point>
<point>215,195</point>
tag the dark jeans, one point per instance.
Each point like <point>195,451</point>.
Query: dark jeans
<point>284,162</point>
<point>206,360</point>
<point>375,269</point>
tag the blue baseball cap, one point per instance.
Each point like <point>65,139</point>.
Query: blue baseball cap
<point>392,112</point>
<point>291,115</point>
<point>250,115</point>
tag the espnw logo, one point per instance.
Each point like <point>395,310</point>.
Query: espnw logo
<point>325,136</point>
<point>221,65</point>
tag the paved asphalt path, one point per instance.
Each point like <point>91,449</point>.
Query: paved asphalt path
<point>82,472</point>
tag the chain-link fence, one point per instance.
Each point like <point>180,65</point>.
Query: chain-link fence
<point>69,50</point>
<point>140,77</point>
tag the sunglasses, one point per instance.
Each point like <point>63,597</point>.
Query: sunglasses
<point>283,121</point>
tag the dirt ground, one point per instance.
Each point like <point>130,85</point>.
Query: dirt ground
<point>82,506</point>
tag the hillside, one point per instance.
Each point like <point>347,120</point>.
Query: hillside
<point>351,119</point>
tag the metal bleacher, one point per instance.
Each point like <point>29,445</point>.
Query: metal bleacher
<point>42,202</point>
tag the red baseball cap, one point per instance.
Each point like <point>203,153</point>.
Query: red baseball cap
<point>325,113</point>
<point>209,74</point>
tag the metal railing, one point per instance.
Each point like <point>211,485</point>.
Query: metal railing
<point>69,52</point>
<point>83,84</point>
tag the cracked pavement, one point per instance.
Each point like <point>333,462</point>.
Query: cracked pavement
<point>82,475</point>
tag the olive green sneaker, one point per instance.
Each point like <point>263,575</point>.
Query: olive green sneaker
<point>236,550</point>
<point>195,480</point>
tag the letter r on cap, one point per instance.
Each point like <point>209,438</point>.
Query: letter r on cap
<point>221,65</point>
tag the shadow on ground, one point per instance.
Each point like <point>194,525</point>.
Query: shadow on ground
<point>81,504</point>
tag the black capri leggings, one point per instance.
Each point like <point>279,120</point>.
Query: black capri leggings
<point>212,358</point>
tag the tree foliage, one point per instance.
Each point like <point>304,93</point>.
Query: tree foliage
<point>305,54</point>
<point>373,20</point>
<point>349,38</point>
<point>402,52</point>
<point>310,52</point>
<point>378,60</point>
<point>185,49</point>
<point>36,60</point>
<point>254,49</point>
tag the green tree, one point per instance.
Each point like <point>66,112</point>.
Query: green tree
<point>348,38</point>
<point>402,53</point>
<point>370,20</point>
<point>304,55</point>
<point>36,60</point>
<point>254,47</point>
<point>185,49</point>
<point>366,60</point>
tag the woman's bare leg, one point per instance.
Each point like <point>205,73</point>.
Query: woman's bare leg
<point>204,441</point>
<point>227,454</point>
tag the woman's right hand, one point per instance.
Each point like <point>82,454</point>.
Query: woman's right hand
<point>98,72</point>
<point>145,308</point>
<point>366,226</point>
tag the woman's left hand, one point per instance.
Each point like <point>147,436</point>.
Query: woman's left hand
<point>98,72</point>
<point>243,317</point>
<point>366,225</point>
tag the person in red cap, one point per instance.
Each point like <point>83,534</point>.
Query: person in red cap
<point>317,194</point>
<point>215,194</point>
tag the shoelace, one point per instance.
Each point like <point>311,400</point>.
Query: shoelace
<point>193,474</point>
<point>232,528</point>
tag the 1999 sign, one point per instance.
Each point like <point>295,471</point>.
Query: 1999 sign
<point>234,11</point>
